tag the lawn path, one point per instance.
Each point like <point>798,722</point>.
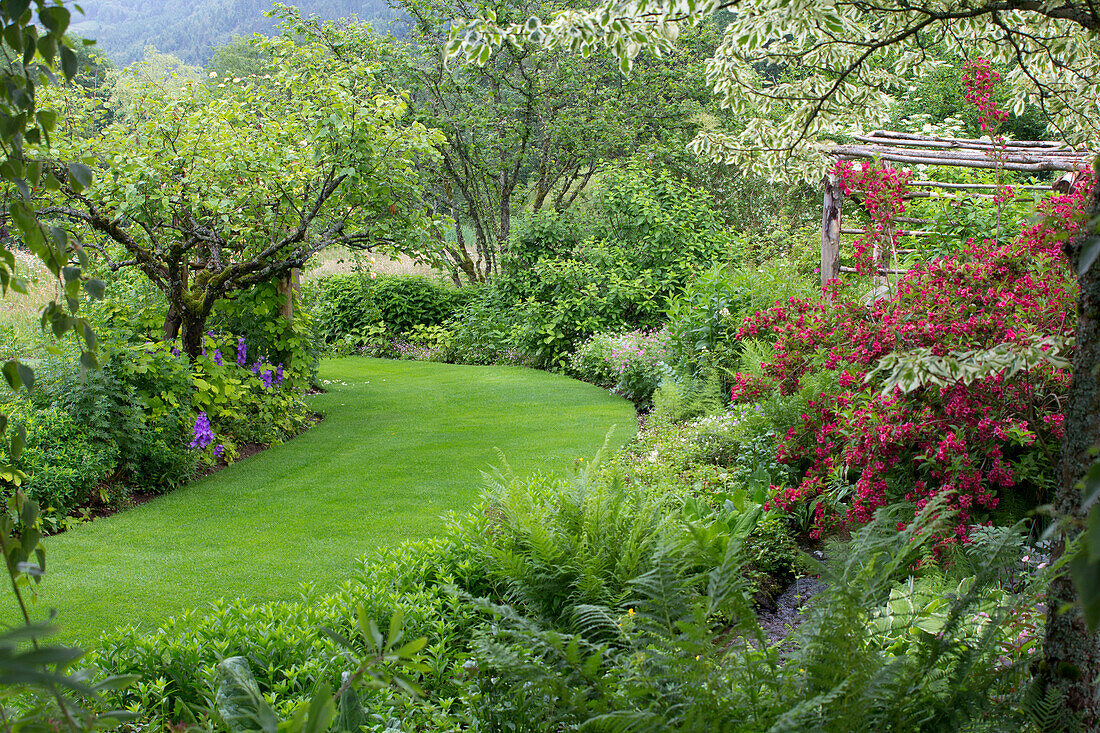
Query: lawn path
<point>402,443</point>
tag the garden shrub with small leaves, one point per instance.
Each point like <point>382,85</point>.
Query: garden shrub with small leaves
<point>348,306</point>
<point>65,463</point>
<point>289,652</point>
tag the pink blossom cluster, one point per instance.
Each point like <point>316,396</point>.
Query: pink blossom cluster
<point>883,191</point>
<point>637,347</point>
<point>979,79</point>
<point>959,438</point>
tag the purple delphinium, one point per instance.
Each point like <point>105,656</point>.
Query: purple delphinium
<point>279,375</point>
<point>267,376</point>
<point>242,352</point>
<point>218,450</point>
<point>204,436</point>
<point>175,351</point>
<point>218,357</point>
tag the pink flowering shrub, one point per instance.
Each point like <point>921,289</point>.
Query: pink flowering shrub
<point>980,79</point>
<point>979,441</point>
<point>630,364</point>
<point>883,191</point>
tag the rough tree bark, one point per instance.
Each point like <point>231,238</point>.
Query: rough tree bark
<point>1071,652</point>
<point>830,230</point>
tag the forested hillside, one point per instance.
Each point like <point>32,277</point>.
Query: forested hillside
<point>191,31</point>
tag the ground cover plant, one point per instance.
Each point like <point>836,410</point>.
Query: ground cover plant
<point>402,444</point>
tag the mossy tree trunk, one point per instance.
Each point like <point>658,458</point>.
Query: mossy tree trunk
<point>1071,651</point>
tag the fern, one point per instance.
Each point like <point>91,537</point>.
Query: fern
<point>678,646</point>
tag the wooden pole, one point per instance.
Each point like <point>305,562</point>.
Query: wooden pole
<point>287,287</point>
<point>830,229</point>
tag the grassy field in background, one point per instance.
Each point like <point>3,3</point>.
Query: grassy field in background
<point>336,260</point>
<point>402,443</point>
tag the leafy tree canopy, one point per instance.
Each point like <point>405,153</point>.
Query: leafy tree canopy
<point>210,188</point>
<point>529,128</point>
<point>804,71</point>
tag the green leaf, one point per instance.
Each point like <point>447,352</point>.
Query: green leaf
<point>69,63</point>
<point>47,47</point>
<point>18,442</point>
<point>26,374</point>
<point>15,8</point>
<point>55,18</point>
<point>408,650</point>
<point>397,621</point>
<point>1092,538</point>
<point>350,715</point>
<point>322,711</point>
<point>238,699</point>
<point>13,36</point>
<point>95,288</point>
<point>1086,578</point>
<point>89,339</point>
<point>80,175</point>
<point>11,373</point>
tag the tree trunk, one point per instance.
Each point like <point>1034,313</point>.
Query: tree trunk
<point>1071,652</point>
<point>194,326</point>
<point>830,230</point>
<point>172,323</point>
<point>287,287</point>
<point>461,257</point>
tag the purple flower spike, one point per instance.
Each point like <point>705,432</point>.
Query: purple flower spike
<point>242,352</point>
<point>266,377</point>
<point>219,449</point>
<point>279,375</point>
<point>204,436</point>
<point>218,357</point>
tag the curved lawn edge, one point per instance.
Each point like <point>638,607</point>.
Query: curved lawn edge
<point>402,443</point>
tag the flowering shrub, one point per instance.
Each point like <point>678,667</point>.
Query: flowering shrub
<point>632,364</point>
<point>979,441</point>
<point>237,402</point>
<point>883,191</point>
<point>979,79</point>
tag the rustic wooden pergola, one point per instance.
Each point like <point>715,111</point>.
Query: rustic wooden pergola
<point>1032,156</point>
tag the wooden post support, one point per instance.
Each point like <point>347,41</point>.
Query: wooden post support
<point>287,287</point>
<point>830,229</point>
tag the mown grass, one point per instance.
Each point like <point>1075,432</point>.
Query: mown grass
<point>402,444</point>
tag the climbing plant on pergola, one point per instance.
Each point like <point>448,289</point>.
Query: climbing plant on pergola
<point>1030,156</point>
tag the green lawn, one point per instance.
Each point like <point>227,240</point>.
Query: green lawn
<point>402,443</point>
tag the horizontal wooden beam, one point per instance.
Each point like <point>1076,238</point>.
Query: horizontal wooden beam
<point>977,186</point>
<point>845,268</point>
<point>1027,164</point>
<point>906,232</point>
<point>890,135</point>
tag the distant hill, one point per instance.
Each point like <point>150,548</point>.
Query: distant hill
<point>192,30</point>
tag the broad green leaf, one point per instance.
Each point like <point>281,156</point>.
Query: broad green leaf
<point>240,704</point>
<point>80,175</point>
<point>18,442</point>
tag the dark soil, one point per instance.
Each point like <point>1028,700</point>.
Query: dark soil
<point>787,614</point>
